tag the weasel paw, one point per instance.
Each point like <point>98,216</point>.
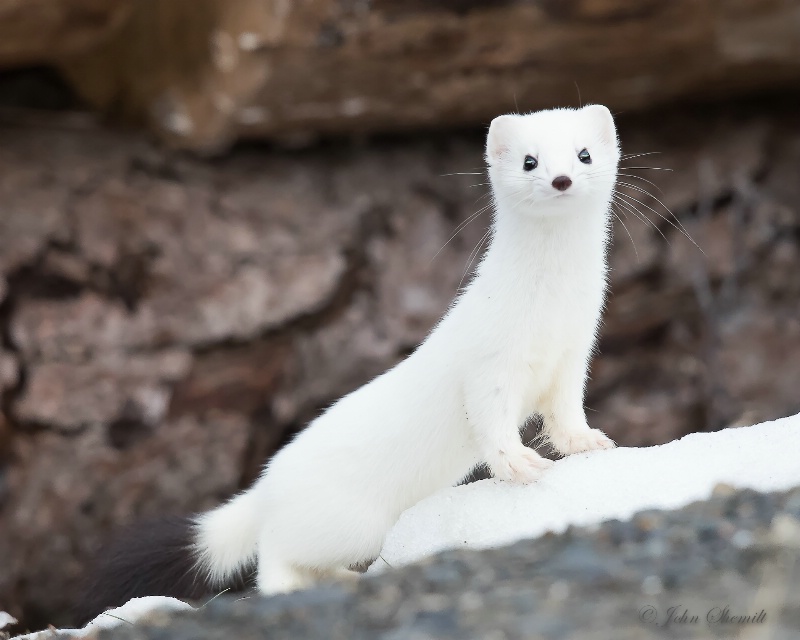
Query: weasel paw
<point>581,441</point>
<point>521,466</point>
<point>344,575</point>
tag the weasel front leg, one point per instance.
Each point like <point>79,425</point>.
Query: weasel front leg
<point>564,417</point>
<point>493,412</point>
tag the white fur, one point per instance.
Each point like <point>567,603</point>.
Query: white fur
<point>515,343</point>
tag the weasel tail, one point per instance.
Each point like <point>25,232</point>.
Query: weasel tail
<point>190,558</point>
<point>516,343</point>
<point>226,539</point>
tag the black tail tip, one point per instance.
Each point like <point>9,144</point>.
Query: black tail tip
<point>150,558</point>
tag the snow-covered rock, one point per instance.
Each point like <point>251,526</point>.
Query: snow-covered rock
<point>6,620</point>
<point>135,610</point>
<point>588,488</point>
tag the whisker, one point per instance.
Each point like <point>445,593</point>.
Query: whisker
<point>593,174</point>
<point>632,175</point>
<point>630,156</point>
<point>624,226</point>
<point>653,168</point>
<point>474,254</point>
<point>641,214</point>
<point>461,227</point>
<point>638,214</point>
<point>678,227</point>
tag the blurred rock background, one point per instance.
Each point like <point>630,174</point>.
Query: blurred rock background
<point>218,216</point>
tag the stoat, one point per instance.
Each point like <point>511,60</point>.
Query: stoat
<point>516,342</point>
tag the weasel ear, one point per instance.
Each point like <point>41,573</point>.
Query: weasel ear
<point>498,142</point>
<point>603,120</point>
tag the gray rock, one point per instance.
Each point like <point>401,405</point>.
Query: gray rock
<point>737,554</point>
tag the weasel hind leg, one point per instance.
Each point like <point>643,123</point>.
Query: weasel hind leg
<point>275,576</point>
<point>280,577</point>
<point>339,574</point>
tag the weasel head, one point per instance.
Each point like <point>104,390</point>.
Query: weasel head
<point>553,162</point>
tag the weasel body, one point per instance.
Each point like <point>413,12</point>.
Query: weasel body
<point>516,342</point>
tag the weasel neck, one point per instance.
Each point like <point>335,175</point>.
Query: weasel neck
<point>555,244</point>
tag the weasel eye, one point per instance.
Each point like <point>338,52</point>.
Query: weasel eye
<point>584,157</point>
<point>530,163</point>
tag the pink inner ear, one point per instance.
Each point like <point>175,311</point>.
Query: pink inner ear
<point>498,151</point>
<point>498,142</point>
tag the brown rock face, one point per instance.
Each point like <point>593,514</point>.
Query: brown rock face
<point>206,72</point>
<point>35,31</point>
<point>167,323</point>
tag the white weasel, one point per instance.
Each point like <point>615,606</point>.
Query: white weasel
<point>517,342</point>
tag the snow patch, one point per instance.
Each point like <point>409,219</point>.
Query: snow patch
<point>586,489</point>
<point>135,610</point>
<point>6,620</point>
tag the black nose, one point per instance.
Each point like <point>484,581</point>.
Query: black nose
<point>562,183</point>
